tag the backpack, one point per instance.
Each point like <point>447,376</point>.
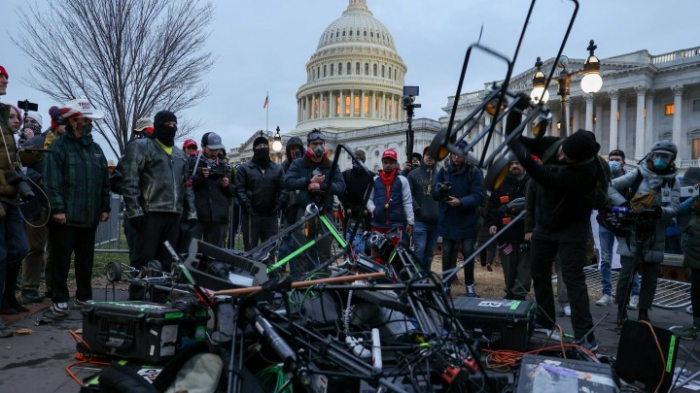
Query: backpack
<point>598,195</point>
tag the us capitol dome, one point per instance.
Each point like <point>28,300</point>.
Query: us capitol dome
<point>354,79</point>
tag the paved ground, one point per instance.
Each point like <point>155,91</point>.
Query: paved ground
<point>36,363</point>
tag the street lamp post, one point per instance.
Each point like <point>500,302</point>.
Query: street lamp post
<point>590,83</point>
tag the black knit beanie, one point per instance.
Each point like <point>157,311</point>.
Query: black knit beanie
<point>163,117</point>
<point>580,145</point>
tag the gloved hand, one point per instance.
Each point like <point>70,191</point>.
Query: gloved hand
<point>191,222</point>
<point>516,147</point>
<point>136,222</point>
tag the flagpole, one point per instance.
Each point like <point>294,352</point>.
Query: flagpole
<point>267,111</point>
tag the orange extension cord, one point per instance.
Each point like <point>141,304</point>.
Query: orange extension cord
<point>82,359</point>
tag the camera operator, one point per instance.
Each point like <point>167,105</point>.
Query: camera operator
<point>13,240</point>
<point>213,192</point>
<point>513,250</point>
<point>563,181</point>
<point>458,187</point>
<point>155,173</point>
<point>654,187</point>
<point>690,208</point>
<point>260,189</point>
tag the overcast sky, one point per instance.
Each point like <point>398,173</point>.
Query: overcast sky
<point>263,45</point>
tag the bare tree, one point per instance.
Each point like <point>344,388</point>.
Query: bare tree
<point>129,57</point>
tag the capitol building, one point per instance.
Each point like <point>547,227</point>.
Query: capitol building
<point>354,89</point>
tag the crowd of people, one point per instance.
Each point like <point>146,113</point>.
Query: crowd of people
<point>176,194</point>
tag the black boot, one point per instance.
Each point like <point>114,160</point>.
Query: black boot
<point>643,315</point>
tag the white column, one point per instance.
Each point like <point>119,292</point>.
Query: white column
<point>308,108</point>
<point>576,114</point>
<point>352,103</point>
<point>598,126</point>
<point>342,103</point>
<point>589,112</point>
<point>384,116</point>
<point>613,143</point>
<point>649,137</point>
<point>371,104</point>
<point>331,104</point>
<point>569,127</point>
<point>678,137</point>
<point>623,132</point>
<point>639,148</point>
<point>362,103</point>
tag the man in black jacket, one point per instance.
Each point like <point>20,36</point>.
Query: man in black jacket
<point>425,209</point>
<point>357,181</point>
<point>309,178</point>
<point>567,175</point>
<point>212,192</point>
<point>512,247</point>
<point>260,189</point>
<point>155,173</point>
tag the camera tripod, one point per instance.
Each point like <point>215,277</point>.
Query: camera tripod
<point>643,232</point>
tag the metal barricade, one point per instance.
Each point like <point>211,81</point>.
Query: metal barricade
<point>108,237</point>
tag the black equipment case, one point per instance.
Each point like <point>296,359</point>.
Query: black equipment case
<point>505,324</point>
<point>149,332</point>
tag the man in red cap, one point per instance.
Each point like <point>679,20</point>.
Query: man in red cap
<point>190,148</point>
<point>390,198</point>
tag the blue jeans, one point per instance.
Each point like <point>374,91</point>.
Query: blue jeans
<point>424,239</point>
<point>607,241</point>
<point>13,241</point>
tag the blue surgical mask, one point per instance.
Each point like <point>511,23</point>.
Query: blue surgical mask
<point>615,166</point>
<point>660,163</point>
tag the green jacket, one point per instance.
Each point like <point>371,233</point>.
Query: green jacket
<point>76,180</point>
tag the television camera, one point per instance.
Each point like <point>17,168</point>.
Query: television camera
<point>444,191</point>
<point>624,221</point>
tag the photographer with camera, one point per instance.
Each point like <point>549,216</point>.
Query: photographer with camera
<point>213,191</point>
<point>77,184</point>
<point>155,173</point>
<point>308,178</point>
<point>260,189</point>
<point>459,190</point>
<point>653,189</point>
<point>513,250</point>
<point>13,240</point>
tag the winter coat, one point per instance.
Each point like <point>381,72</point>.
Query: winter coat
<point>155,181</point>
<point>297,180</point>
<point>8,193</point>
<point>460,222</point>
<point>211,199</point>
<point>561,203</point>
<point>391,206</point>
<point>512,188</point>
<point>650,181</point>
<point>691,234</point>
<point>425,208</point>
<point>260,189</point>
<point>357,181</point>
<point>603,213</point>
<point>76,180</point>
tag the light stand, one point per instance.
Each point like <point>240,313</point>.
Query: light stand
<point>409,97</point>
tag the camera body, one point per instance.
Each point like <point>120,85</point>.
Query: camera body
<point>18,179</point>
<point>689,191</point>
<point>217,169</point>
<point>624,221</point>
<point>444,191</point>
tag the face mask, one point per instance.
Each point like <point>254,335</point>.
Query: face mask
<point>261,154</point>
<point>615,166</point>
<point>165,134</point>
<point>318,151</point>
<point>660,163</point>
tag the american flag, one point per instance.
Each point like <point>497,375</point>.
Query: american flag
<point>267,101</point>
